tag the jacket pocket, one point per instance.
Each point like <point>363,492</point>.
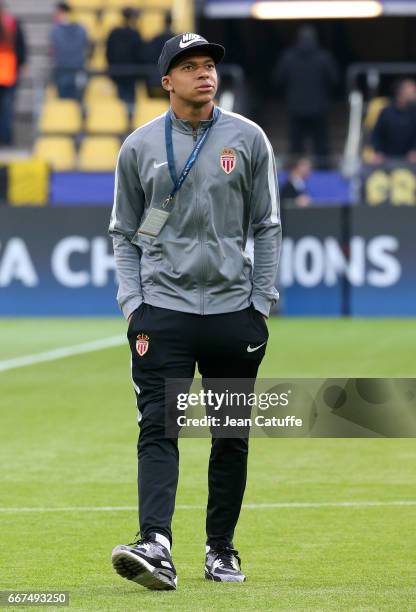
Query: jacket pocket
<point>149,265</point>
<point>156,268</point>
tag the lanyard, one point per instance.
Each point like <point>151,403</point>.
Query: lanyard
<point>178,182</point>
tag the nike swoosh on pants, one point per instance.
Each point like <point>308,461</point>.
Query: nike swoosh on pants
<point>251,349</point>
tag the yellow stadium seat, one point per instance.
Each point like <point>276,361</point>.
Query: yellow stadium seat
<point>87,4</point>
<point>28,182</point>
<point>164,4</point>
<point>120,4</point>
<point>151,23</point>
<point>60,117</point>
<point>183,13</point>
<point>90,22</point>
<point>107,117</point>
<point>50,92</point>
<point>141,92</point>
<point>367,154</point>
<point>109,21</point>
<point>100,88</point>
<point>149,109</point>
<point>374,108</point>
<point>58,152</point>
<point>98,154</point>
<point>98,60</point>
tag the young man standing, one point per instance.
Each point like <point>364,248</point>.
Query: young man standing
<point>189,184</point>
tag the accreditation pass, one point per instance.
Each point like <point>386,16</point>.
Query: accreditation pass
<point>154,221</point>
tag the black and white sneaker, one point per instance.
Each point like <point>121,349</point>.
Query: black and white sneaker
<point>146,562</point>
<point>223,564</point>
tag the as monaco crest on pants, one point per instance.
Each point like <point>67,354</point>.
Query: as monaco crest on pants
<point>228,160</point>
<point>142,344</point>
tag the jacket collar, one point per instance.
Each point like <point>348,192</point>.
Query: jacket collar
<point>185,126</point>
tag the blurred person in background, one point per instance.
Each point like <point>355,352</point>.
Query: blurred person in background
<point>394,134</point>
<point>124,51</point>
<point>307,73</point>
<point>152,51</point>
<point>69,49</point>
<point>12,59</point>
<point>294,192</point>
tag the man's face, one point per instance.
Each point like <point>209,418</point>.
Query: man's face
<point>407,92</point>
<point>304,168</point>
<point>194,79</point>
<point>59,15</point>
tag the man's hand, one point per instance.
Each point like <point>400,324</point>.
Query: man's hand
<point>264,316</point>
<point>131,315</point>
<point>303,201</point>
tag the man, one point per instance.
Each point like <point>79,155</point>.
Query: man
<point>188,185</point>
<point>308,73</point>
<point>69,48</point>
<point>394,134</point>
<point>124,51</point>
<point>294,191</point>
<point>12,59</point>
<point>152,51</point>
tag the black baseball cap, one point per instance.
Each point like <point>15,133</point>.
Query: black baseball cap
<point>180,45</point>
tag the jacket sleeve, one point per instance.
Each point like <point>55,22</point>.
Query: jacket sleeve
<point>265,222</point>
<point>377,136</point>
<point>127,211</point>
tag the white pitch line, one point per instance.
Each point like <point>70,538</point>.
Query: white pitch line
<point>60,353</point>
<point>358,504</point>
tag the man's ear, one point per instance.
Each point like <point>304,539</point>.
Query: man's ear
<point>167,83</point>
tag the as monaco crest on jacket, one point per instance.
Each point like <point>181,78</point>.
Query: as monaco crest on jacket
<point>142,344</point>
<point>228,160</point>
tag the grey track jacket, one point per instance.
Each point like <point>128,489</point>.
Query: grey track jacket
<point>197,263</point>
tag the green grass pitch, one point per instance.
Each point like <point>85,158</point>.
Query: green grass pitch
<point>68,438</point>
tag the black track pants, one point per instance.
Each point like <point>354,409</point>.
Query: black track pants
<point>176,342</point>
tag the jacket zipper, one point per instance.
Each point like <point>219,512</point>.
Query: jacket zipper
<point>199,230</point>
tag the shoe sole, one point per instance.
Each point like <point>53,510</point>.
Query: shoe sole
<point>209,576</point>
<point>130,566</point>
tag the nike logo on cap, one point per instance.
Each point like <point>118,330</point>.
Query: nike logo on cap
<point>189,39</point>
<point>156,165</point>
<point>251,349</point>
